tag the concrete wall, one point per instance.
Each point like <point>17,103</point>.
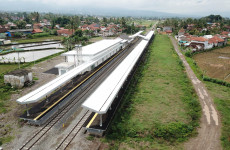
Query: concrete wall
<point>18,81</point>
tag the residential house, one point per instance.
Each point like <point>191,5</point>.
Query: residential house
<point>169,32</point>
<point>216,41</point>
<point>141,27</point>
<point>190,26</point>
<point>200,43</point>
<point>2,29</point>
<point>181,32</point>
<point>225,33</point>
<point>37,26</point>
<point>224,37</point>
<point>65,32</point>
<point>11,25</point>
<point>227,28</point>
<point>28,26</point>
<point>37,31</point>
<point>167,29</point>
<point>57,26</point>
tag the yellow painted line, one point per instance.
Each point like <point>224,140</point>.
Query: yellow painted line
<point>91,121</point>
<point>77,86</point>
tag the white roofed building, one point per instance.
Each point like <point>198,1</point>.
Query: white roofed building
<point>104,49</point>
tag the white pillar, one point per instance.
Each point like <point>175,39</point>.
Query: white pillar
<point>27,111</point>
<point>101,120</point>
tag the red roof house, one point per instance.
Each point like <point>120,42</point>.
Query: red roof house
<point>37,31</point>
<point>65,32</point>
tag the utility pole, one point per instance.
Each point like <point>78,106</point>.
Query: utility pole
<point>18,61</point>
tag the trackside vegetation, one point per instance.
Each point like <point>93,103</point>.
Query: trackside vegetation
<point>160,109</point>
<point>220,92</point>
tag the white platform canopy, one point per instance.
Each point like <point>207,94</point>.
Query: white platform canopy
<point>53,85</point>
<point>102,98</point>
<point>95,48</point>
<point>135,35</point>
<point>149,35</point>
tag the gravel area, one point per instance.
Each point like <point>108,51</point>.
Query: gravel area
<point>19,130</point>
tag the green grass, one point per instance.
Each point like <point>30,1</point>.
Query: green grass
<point>161,110</point>
<point>40,39</point>
<point>221,97</point>
<point>7,67</point>
<point>6,139</point>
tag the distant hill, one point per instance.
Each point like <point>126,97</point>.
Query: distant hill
<point>31,6</point>
<point>123,12</point>
<point>213,18</point>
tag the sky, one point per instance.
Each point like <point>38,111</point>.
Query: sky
<point>183,7</point>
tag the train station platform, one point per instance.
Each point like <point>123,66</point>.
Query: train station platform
<point>103,98</point>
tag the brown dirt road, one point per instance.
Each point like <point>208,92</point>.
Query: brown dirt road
<point>209,132</point>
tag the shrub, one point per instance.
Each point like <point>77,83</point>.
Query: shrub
<point>224,83</point>
<point>53,32</point>
<point>29,36</point>
<point>188,54</point>
<point>173,131</point>
<point>17,34</point>
<point>40,35</point>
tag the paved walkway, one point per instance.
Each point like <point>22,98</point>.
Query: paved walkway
<point>209,132</point>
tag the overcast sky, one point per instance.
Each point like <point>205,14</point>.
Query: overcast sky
<point>185,7</point>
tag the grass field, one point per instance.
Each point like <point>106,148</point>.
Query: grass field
<point>40,39</point>
<point>221,97</point>
<point>215,63</point>
<point>161,110</point>
<point>7,67</point>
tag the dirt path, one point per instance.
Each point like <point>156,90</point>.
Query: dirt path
<point>209,132</point>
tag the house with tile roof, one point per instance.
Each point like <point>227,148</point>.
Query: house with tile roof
<point>37,31</point>
<point>65,32</point>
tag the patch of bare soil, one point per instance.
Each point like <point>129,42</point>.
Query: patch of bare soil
<point>215,63</point>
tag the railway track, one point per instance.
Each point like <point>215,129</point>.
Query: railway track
<point>74,132</point>
<point>31,142</point>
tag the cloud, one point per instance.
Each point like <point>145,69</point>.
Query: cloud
<point>170,6</point>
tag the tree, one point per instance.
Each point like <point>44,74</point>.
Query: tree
<point>68,43</point>
<point>2,21</point>
<point>21,24</point>
<point>123,22</point>
<point>78,33</point>
<point>17,34</point>
<point>46,29</point>
<point>104,20</point>
<point>36,16</point>
<point>28,20</point>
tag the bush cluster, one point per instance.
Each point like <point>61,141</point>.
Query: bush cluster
<point>221,82</point>
<point>173,131</point>
<point>40,35</point>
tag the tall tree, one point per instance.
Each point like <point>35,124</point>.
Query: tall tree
<point>21,24</point>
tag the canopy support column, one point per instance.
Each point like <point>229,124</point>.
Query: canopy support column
<point>101,120</point>
<point>47,100</point>
<point>27,110</point>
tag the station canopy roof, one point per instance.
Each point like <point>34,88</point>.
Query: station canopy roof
<point>135,35</point>
<point>58,82</point>
<point>149,35</point>
<point>102,98</point>
<point>95,48</point>
<point>51,86</point>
